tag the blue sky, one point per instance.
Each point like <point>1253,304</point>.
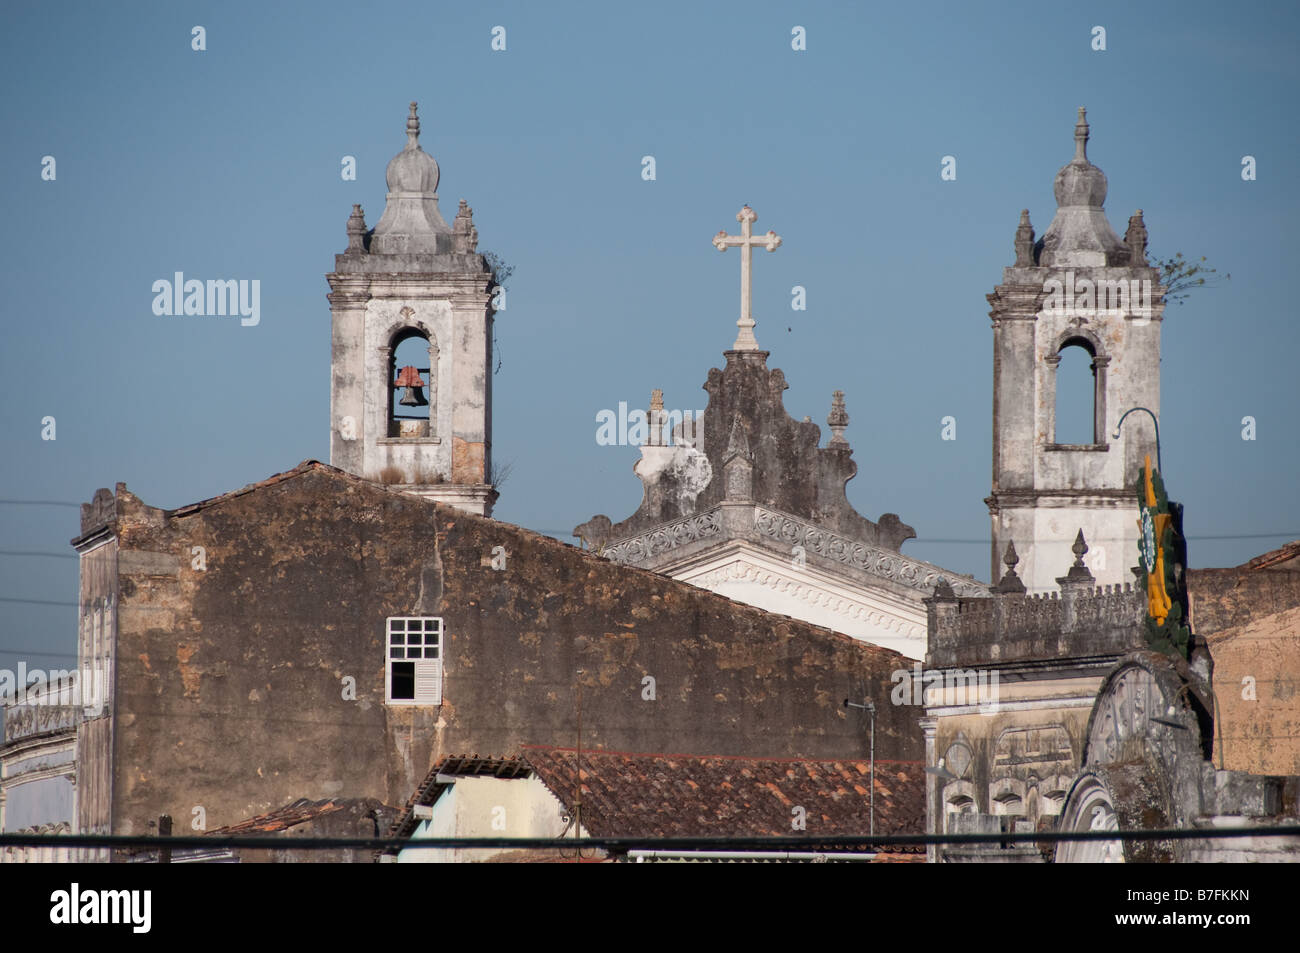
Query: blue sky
<point>225,163</point>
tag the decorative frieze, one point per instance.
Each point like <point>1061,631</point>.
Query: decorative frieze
<point>23,721</point>
<point>636,549</point>
<point>912,573</point>
<point>850,610</point>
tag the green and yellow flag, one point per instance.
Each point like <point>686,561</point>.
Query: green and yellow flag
<point>1163,558</point>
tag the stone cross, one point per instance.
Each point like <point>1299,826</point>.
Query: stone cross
<point>746,240</point>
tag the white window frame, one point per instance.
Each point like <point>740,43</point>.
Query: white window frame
<point>404,635</point>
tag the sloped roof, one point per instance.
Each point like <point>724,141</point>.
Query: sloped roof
<point>660,795</point>
<point>308,467</point>
<point>431,787</point>
<point>281,819</point>
<point>676,795</point>
<point>1276,559</point>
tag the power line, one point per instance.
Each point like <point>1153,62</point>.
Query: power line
<point>622,844</point>
<point>1281,535</point>
<point>34,552</point>
<point>568,532</point>
<point>985,542</point>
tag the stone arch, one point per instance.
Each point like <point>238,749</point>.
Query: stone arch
<point>1089,807</point>
<point>1092,345</point>
<point>1142,760</point>
<point>405,327</point>
<point>1083,337</point>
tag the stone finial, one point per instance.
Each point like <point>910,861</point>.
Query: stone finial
<point>1080,136</point>
<point>357,231</point>
<point>1136,239</point>
<point>1024,241</point>
<point>655,419</point>
<point>943,590</point>
<point>737,464</point>
<point>1080,184</point>
<point>413,126</point>
<point>1078,574</point>
<point>1010,583</point>
<point>838,420</point>
<point>464,236</point>
<point>738,443</point>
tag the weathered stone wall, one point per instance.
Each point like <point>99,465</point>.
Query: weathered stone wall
<point>1079,623</point>
<point>231,680</point>
<point>1024,752</point>
<point>97,598</point>
<point>1251,621</point>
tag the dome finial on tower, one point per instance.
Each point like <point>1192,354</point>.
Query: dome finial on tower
<point>411,222</point>
<point>1079,233</point>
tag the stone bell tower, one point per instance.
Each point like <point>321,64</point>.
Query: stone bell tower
<point>1080,286</point>
<point>411,387</point>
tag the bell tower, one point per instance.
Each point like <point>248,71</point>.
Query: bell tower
<point>411,384</point>
<point>1083,293</point>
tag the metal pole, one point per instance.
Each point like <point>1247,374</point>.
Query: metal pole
<point>871,707</point>
<point>1159,466</point>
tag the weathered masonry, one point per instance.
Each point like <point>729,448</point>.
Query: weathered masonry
<point>256,661</point>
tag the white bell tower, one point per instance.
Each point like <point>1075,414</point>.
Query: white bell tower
<point>1080,287</point>
<point>411,386</point>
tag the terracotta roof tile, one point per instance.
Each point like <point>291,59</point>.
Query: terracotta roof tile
<point>647,795</point>
<point>1276,557</point>
<point>283,818</point>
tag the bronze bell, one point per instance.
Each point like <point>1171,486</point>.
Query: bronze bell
<point>409,377</point>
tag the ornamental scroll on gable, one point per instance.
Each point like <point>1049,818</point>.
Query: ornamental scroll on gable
<point>745,448</point>
<point>787,470</point>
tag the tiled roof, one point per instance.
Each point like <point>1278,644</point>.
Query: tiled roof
<point>1275,558</point>
<point>675,795</point>
<point>431,787</point>
<point>281,819</point>
<point>650,795</point>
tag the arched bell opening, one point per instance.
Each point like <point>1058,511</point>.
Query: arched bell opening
<point>411,387</point>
